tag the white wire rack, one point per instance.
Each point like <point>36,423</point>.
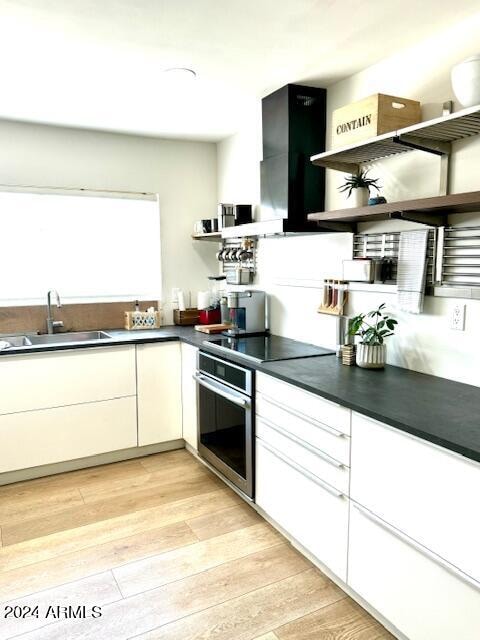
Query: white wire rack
<point>385,246</point>
<point>453,269</point>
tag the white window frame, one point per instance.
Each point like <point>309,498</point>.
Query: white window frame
<point>87,192</point>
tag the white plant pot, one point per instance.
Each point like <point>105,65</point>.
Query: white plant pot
<point>359,198</point>
<point>465,78</point>
<point>371,356</point>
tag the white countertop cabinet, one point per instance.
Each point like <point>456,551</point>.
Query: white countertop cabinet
<point>60,406</point>
<point>302,468</point>
<point>66,405</point>
<point>159,392</point>
<point>393,517</point>
<point>414,551</point>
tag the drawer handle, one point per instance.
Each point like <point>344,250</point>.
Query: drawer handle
<point>417,546</point>
<point>304,472</point>
<point>302,416</point>
<point>302,443</point>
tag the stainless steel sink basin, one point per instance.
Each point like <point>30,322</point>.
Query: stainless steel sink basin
<point>15,341</point>
<point>61,338</point>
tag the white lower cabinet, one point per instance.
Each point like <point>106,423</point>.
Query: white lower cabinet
<point>427,492</point>
<point>411,539</point>
<point>189,395</point>
<point>304,404</point>
<point>159,392</point>
<point>420,596</point>
<point>309,458</point>
<point>311,511</point>
<point>59,378</point>
<point>34,438</point>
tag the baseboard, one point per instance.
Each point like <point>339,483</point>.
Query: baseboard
<point>91,461</point>
<point>191,450</point>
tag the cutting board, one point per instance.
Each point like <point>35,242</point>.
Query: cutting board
<point>212,328</point>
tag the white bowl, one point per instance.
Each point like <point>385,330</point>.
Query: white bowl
<point>466,81</point>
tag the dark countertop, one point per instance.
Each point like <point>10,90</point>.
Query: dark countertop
<point>441,411</point>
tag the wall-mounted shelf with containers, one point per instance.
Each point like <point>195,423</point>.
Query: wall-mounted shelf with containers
<point>454,254</point>
<point>429,211</point>
<point>433,136</point>
<point>215,236</point>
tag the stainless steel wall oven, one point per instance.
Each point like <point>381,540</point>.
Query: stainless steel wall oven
<point>226,419</point>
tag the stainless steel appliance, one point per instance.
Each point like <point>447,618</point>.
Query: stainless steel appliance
<point>247,311</point>
<point>226,419</point>
<point>226,215</point>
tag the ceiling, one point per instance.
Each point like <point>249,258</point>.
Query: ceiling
<point>99,65</point>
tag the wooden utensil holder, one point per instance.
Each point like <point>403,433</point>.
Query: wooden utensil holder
<point>189,317</point>
<point>331,304</point>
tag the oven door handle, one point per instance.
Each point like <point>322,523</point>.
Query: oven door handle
<point>219,390</point>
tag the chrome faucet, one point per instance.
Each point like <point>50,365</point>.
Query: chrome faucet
<point>51,323</point>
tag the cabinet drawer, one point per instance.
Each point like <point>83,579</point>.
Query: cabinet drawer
<point>60,378</point>
<point>421,597</point>
<point>303,454</point>
<point>36,438</point>
<point>314,516</point>
<point>304,403</point>
<point>425,491</point>
<point>333,442</point>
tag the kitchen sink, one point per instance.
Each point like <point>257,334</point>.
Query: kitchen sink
<point>76,336</point>
<point>16,341</point>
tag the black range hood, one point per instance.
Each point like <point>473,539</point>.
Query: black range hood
<point>293,127</point>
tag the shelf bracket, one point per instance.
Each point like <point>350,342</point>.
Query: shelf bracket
<point>444,187</point>
<point>344,167</point>
<point>431,220</point>
<point>337,227</point>
<point>436,147</point>
<point>424,144</point>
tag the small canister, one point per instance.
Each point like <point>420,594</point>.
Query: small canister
<point>226,215</point>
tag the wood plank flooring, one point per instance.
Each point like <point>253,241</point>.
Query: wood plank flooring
<point>168,552</point>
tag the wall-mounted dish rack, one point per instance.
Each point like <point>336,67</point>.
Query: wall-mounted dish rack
<point>453,258</point>
<point>385,245</point>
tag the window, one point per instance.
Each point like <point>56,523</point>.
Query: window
<point>89,247</point>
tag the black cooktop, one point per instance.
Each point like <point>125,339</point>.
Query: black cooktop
<point>268,348</point>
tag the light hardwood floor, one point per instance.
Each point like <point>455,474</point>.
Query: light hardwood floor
<point>167,551</point>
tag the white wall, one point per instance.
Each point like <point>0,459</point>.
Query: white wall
<point>425,342</point>
<point>238,163</point>
<point>183,173</point>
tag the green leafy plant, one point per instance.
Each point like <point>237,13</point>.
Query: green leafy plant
<point>359,181</point>
<point>375,331</point>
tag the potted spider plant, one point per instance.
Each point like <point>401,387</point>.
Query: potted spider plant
<point>357,187</point>
<point>372,328</point>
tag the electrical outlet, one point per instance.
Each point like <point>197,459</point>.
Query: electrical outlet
<point>457,317</point>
